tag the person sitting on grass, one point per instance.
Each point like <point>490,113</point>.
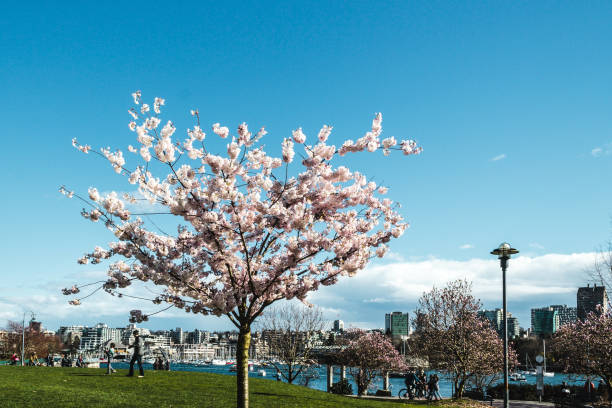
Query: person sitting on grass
<point>66,362</point>
<point>33,359</point>
<point>138,346</point>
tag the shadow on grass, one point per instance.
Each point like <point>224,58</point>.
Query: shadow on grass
<point>270,394</point>
<point>89,375</point>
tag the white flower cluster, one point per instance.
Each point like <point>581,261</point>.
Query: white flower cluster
<point>65,192</point>
<point>115,158</point>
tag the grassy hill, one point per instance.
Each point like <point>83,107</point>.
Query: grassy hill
<point>88,388</point>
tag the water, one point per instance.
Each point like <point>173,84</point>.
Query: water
<point>321,383</point>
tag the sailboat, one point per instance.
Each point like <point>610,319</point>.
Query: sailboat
<point>546,374</point>
<point>529,368</point>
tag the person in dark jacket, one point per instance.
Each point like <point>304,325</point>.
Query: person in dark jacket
<point>66,362</point>
<point>411,381</point>
<point>138,346</point>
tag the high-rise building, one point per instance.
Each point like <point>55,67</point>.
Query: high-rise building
<point>566,314</point>
<point>198,337</point>
<point>338,326</point>
<point>35,326</point>
<point>178,336</point>
<point>514,330</point>
<point>587,300</point>
<point>94,337</point>
<point>397,324</point>
<point>68,333</point>
<point>496,318</point>
<point>544,320</point>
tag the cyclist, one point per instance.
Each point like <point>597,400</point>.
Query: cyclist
<point>411,382</point>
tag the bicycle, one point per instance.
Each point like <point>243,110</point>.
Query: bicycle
<point>405,394</point>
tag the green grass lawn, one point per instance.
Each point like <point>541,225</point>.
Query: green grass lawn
<point>87,388</point>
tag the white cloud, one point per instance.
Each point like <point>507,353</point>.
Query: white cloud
<point>532,281</point>
<point>466,246</point>
<point>596,152</point>
<point>499,157</point>
<point>535,245</point>
<point>394,257</point>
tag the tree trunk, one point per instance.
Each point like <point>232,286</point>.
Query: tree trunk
<point>242,366</point>
<point>362,386</point>
<point>460,388</point>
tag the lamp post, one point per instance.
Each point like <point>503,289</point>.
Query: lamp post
<point>503,252</point>
<point>23,337</point>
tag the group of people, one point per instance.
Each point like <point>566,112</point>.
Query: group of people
<point>159,364</point>
<point>417,385</point>
<point>33,361</point>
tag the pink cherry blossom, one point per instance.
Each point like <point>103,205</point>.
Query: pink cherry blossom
<point>369,354</point>
<point>299,136</point>
<point>250,231</point>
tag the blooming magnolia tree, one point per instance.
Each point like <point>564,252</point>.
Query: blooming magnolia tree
<point>369,354</point>
<point>248,234</point>
<point>585,347</point>
<point>454,339</point>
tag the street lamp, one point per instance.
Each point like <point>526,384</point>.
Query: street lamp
<point>23,337</point>
<point>503,252</point>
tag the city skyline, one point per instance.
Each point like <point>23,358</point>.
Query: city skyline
<point>510,103</point>
<point>566,314</point>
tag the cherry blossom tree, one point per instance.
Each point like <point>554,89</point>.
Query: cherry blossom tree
<point>584,347</point>
<point>250,231</point>
<point>454,339</point>
<point>368,354</point>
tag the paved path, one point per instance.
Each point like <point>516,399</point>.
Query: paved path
<point>523,404</point>
<point>498,403</point>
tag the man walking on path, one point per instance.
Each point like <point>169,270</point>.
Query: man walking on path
<point>138,347</point>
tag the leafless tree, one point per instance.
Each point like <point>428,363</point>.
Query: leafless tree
<point>601,270</point>
<point>35,342</point>
<point>290,333</point>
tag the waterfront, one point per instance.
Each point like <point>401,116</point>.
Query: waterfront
<point>320,382</point>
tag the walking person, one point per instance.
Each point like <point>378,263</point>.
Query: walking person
<point>430,387</point>
<point>436,388</point>
<point>138,346</point>
<point>422,385</point>
<point>110,353</point>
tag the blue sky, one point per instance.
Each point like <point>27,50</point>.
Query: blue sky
<point>510,100</point>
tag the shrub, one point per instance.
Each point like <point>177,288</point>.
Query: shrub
<point>528,392</point>
<point>342,387</point>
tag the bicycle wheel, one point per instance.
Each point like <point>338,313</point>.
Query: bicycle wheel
<point>403,393</point>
